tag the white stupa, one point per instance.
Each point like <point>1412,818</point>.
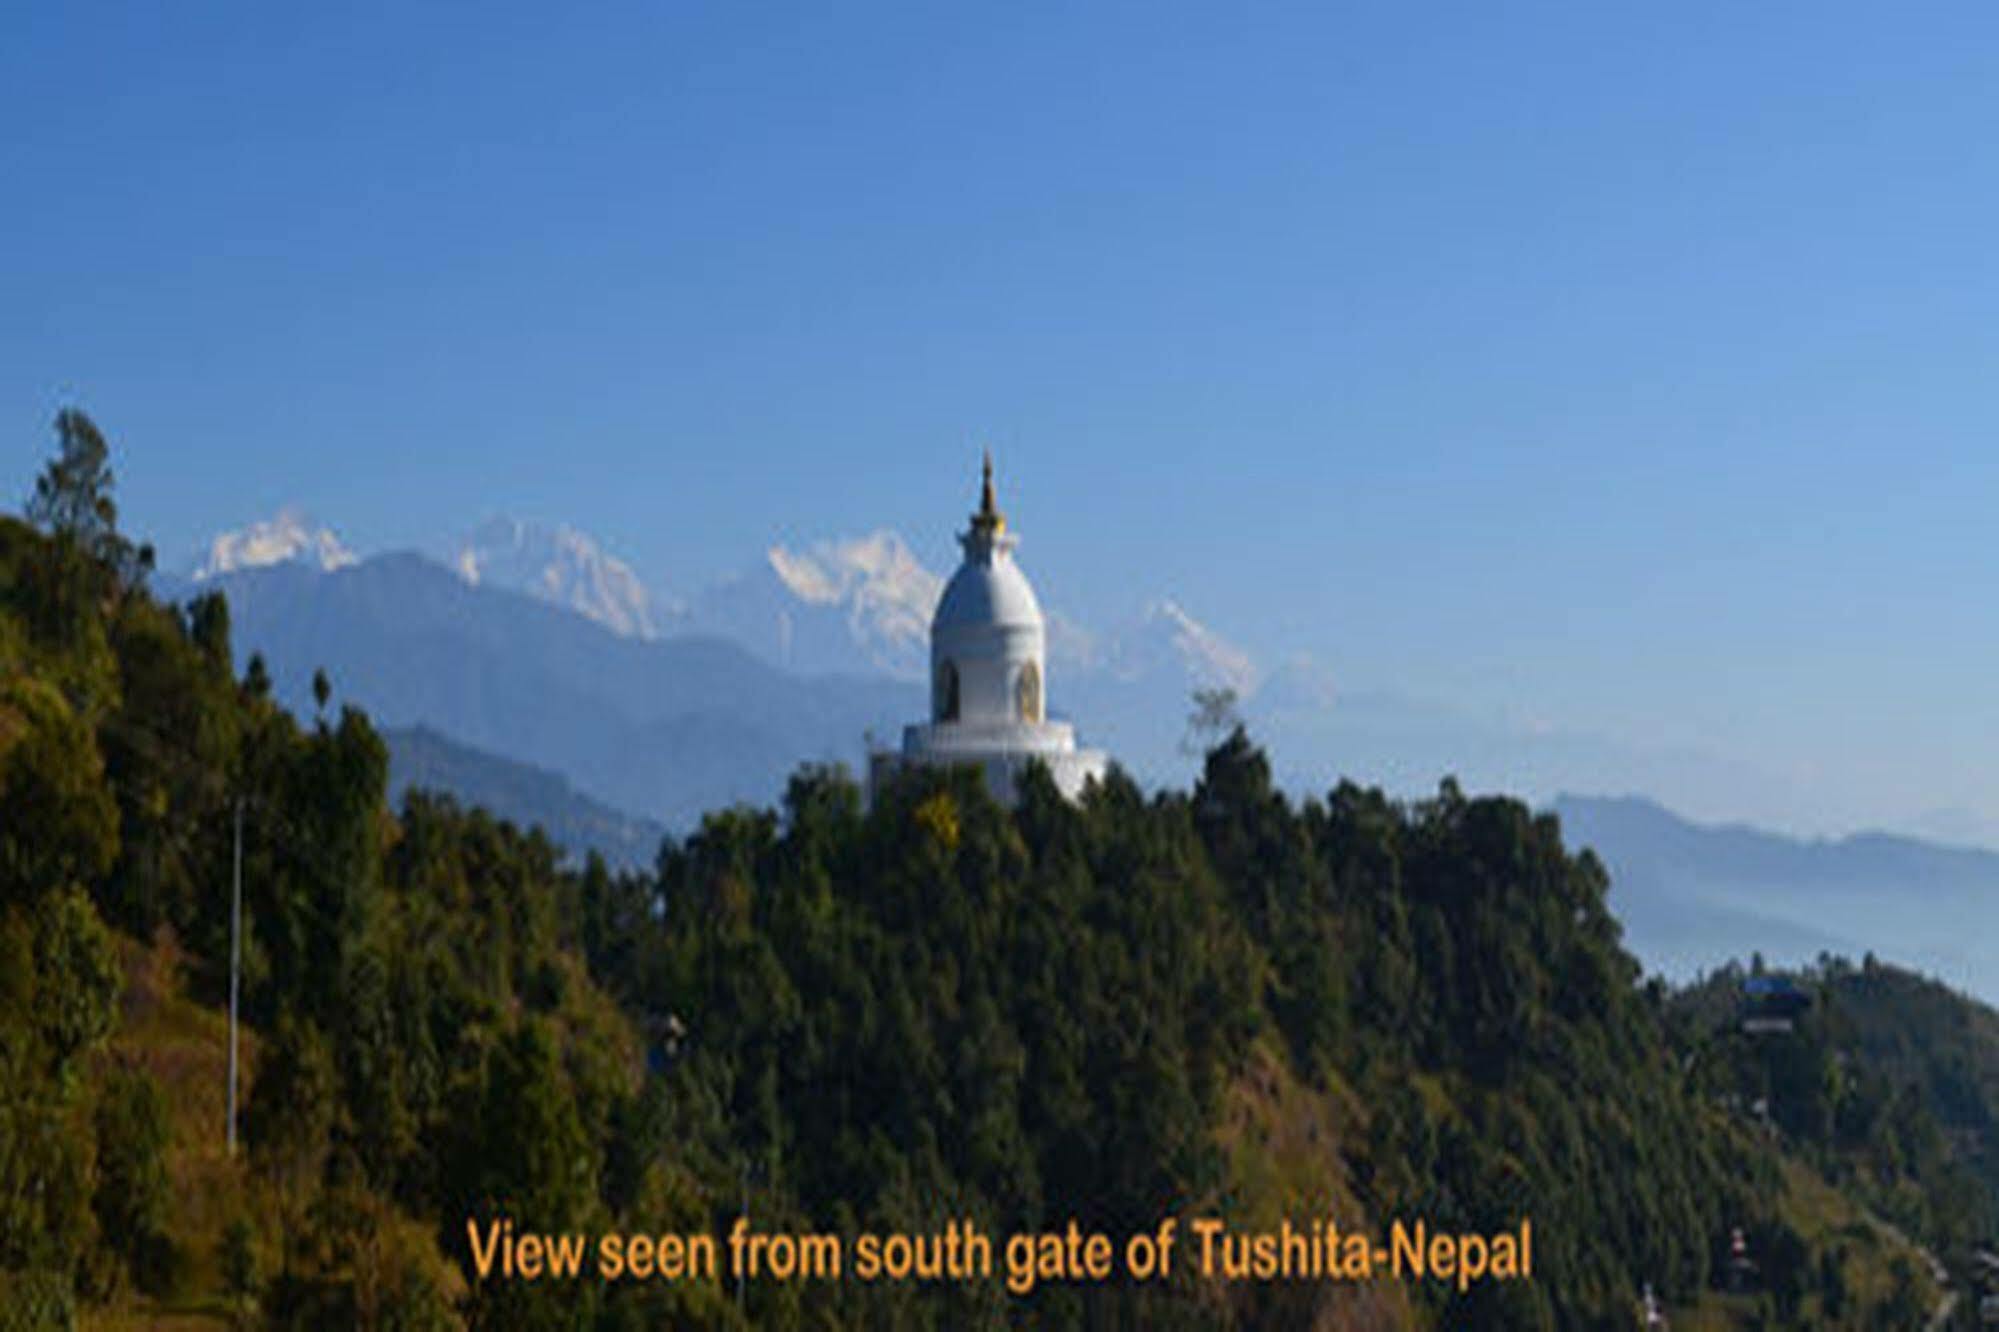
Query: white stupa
<point>989,673</point>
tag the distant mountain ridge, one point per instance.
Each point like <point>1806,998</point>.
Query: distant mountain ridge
<point>834,606</point>
<point>422,758</point>
<point>857,607</point>
<point>859,604</point>
<point>1693,895</point>
<point>690,703</point>
<point>665,729</point>
<point>567,568</point>
<point>533,646</point>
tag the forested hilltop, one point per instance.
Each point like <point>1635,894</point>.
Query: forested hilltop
<point>1888,1083</point>
<point>1209,1003</point>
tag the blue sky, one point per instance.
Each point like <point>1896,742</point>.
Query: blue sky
<point>1627,371</point>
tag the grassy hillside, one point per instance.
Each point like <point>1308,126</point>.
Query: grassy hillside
<point>182,1046</point>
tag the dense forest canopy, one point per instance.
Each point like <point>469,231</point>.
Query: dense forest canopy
<point>1217,1002</point>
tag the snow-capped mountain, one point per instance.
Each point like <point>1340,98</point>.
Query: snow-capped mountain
<point>566,568</point>
<point>854,605</point>
<point>288,537</point>
<point>1132,687</point>
<point>862,605</point>
<point>1167,640</point>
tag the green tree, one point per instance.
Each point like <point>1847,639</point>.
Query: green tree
<point>540,1166</point>
<point>73,498</point>
<point>131,1196</point>
<point>1214,717</point>
<point>208,626</point>
<point>529,1158</point>
<point>58,987</point>
<point>61,824</point>
<point>239,1259</point>
<point>76,979</point>
<point>257,677</point>
<point>73,494</point>
<point>290,1120</point>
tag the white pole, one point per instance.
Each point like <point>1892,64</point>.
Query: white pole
<point>235,966</point>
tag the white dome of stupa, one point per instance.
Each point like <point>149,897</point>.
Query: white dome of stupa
<point>988,671</point>
<point>988,645</point>
<point>988,592</point>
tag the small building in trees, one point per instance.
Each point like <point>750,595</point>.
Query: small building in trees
<point>989,674</point>
<point>1772,1005</point>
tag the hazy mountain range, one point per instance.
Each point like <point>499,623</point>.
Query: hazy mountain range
<point>841,605</point>
<point>1691,895</point>
<point>854,609</point>
<point>859,607</point>
<point>663,728</point>
<point>563,567</point>
<point>422,757</point>
<point>530,670</point>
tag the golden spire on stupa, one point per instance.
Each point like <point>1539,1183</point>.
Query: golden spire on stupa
<point>988,519</point>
